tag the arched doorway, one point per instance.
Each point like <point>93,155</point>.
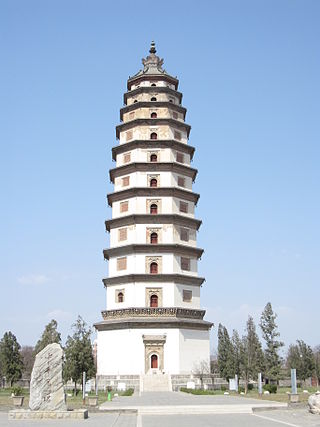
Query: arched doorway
<point>154,361</point>
<point>154,301</point>
<point>153,268</point>
<point>153,209</point>
<point>154,238</point>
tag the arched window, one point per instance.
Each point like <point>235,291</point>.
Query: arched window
<point>153,136</point>
<point>153,98</point>
<point>153,158</point>
<point>153,182</point>
<point>153,84</point>
<point>154,238</point>
<point>153,301</point>
<point>153,115</point>
<point>120,297</point>
<point>153,209</point>
<point>154,361</point>
<point>135,101</point>
<point>154,270</point>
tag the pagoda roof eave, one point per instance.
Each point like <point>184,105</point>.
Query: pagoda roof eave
<point>153,192</point>
<point>152,122</point>
<point>153,90</point>
<point>145,323</point>
<point>141,76</point>
<point>153,219</point>
<point>150,143</point>
<point>150,104</point>
<point>153,249</point>
<point>153,167</point>
<point>154,278</point>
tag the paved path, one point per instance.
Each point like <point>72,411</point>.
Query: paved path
<point>278,418</point>
<point>94,420</point>
<point>184,403</point>
<point>180,409</point>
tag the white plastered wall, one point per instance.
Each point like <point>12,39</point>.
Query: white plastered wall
<point>178,296</point>
<point>136,264</point>
<point>141,179</point>
<point>135,294</point>
<point>144,132</point>
<point>189,341</point>
<point>138,205</point>
<point>165,97</point>
<point>137,233</point>
<point>148,83</point>
<point>145,113</point>
<point>143,155</point>
<point>122,352</point>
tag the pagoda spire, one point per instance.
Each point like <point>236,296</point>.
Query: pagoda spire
<point>153,47</point>
<point>152,61</point>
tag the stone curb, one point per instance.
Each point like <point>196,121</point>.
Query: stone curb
<point>23,414</point>
<point>270,408</point>
<point>193,409</point>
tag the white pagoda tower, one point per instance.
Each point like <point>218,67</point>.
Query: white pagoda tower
<point>153,322</point>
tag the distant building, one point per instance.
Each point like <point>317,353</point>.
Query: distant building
<point>153,322</point>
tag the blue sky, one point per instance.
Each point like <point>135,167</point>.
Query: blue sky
<point>249,72</point>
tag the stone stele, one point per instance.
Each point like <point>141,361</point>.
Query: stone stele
<point>46,388</point>
<point>314,403</point>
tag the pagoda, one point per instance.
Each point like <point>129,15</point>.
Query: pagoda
<point>153,323</point>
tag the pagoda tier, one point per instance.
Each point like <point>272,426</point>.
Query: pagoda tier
<point>152,167</point>
<point>153,286</point>
<point>143,144</point>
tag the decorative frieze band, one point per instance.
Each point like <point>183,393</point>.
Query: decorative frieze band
<point>179,312</point>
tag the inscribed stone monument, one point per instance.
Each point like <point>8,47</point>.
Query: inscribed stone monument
<point>46,388</point>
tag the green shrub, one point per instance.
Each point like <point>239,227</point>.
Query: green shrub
<point>250,387</point>
<point>17,391</point>
<point>196,391</point>
<point>185,389</point>
<point>271,388</point>
<point>241,389</point>
<point>128,392</point>
<point>223,388</point>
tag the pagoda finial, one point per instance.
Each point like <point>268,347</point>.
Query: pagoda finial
<point>153,47</point>
<point>152,61</point>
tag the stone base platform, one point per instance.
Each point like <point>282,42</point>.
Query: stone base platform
<point>23,414</point>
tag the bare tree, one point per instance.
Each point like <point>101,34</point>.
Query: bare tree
<point>201,369</point>
<point>27,354</point>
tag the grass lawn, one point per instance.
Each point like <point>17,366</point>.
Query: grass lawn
<point>281,395</point>
<point>73,402</point>
<point>6,400</point>
<point>199,392</point>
